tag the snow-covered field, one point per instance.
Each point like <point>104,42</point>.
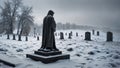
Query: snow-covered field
<point>83,54</point>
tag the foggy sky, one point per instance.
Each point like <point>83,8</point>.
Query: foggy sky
<point>84,12</point>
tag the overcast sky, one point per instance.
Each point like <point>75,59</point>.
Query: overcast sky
<point>83,12</point>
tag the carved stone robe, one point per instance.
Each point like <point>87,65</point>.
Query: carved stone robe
<point>48,38</point>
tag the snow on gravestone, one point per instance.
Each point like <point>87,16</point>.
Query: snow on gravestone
<point>109,36</point>
<point>88,36</point>
<point>61,35</point>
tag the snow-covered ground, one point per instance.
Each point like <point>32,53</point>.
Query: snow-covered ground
<point>83,54</point>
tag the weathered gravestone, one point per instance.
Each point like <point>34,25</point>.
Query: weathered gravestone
<point>14,37</point>
<point>109,36</point>
<point>71,33</point>
<point>88,36</point>
<point>38,38</point>
<point>34,32</point>
<point>93,32</point>
<point>8,36</point>
<point>48,52</point>
<point>69,37</point>
<point>26,38</point>
<point>61,35</point>
<point>76,34</point>
<point>66,34</point>
<point>19,38</point>
<point>98,33</point>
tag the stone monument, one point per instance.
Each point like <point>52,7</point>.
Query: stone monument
<point>69,37</point>
<point>48,52</point>
<point>109,37</point>
<point>37,38</point>
<point>8,37</point>
<point>26,38</point>
<point>61,35</point>
<point>14,37</point>
<point>76,34</point>
<point>88,36</point>
<point>98,33</point>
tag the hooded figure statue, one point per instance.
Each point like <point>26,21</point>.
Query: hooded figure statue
<point>48,38</point>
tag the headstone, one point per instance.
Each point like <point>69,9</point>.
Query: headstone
<point>93,32</point>
<point>34,32</point>
<point>69,37</point>
<point>61,35</point>
<point>38,38</point>
<point>8,36</point>
<point>98,33</point>
<point>55,34</point>
<point>88,36</point>
<point>19,38</point>
<point>109,36</point>
<point>48,52</point>
<point>14,37</point>
<point>66,34</point>
<point>58,34</point>
<point>71,33</point>
<point>26,38</point>
<point>76,34</point>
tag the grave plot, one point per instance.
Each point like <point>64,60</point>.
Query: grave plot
<point>95,54</point>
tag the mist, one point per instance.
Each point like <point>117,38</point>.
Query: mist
<point>102,13</point>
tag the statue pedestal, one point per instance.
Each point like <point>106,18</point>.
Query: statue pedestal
<point>48,57</point>
<point>52,53</point>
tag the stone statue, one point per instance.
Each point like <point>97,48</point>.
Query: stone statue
<point>48,38</point>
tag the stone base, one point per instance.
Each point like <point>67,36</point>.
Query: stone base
<point>8,63</point>
<point>48,57</point>
<point>47,53</point>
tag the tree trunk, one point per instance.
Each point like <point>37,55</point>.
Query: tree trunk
<point>18,30</point>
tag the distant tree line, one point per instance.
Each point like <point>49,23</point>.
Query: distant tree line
<point>14,15</point>
<point>66,26</point>
<point>61,26</point>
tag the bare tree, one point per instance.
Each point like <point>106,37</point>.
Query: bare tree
<point>25,21</point>
<point>9,14</point>
<point>5,15</point>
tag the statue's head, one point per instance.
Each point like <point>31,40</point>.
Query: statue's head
<point>50,12</point>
